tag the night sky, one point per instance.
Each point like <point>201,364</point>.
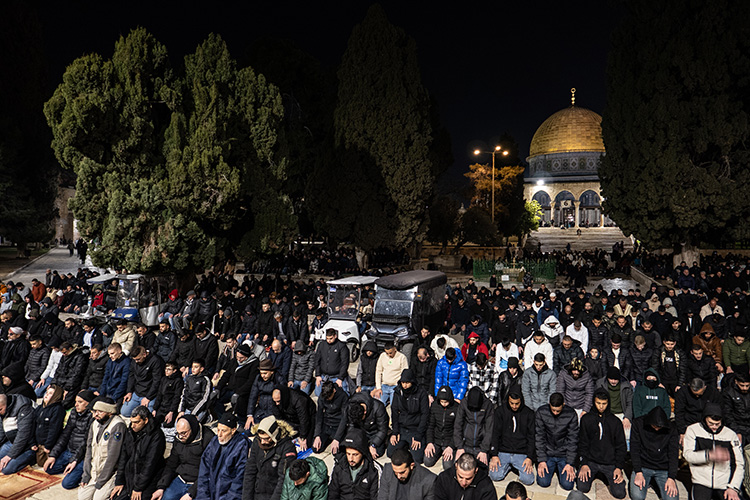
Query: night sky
<point>493,68</point>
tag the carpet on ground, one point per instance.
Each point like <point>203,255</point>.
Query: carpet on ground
<point>25,483</point>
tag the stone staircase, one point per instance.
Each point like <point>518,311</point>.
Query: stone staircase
<point>554,238</point>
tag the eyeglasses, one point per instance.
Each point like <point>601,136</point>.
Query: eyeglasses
<point>183,434</point>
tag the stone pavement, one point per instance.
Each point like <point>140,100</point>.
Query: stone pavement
<point>57,258</point>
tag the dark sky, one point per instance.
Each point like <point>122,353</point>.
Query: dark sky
<point>493,67</point>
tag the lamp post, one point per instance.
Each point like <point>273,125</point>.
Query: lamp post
<point>497,149</point>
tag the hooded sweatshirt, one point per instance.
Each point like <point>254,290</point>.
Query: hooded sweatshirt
<point>442,419</point>
<point>364,484</point>
<point>645,398</point>
<point>601,439</point>
<point>474,421</point>
<point>411,408</point>
<point>652,449</point>
<point>513,431</point>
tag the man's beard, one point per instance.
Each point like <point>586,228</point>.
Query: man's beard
<point>225,441</point>
<point>405,481</point>
<point>265,446</point>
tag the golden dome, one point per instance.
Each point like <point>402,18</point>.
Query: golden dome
<point>572,129</point>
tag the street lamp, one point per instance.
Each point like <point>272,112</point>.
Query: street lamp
<point>497,149</point>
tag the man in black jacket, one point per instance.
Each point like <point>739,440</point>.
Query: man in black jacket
<point>513,440</point>
<point>402,479</point>
<point>409,416</point>
<point>70,372</point>
<point>654,451</point>
<point>357,477</point>
<point>331,362</point>
<point>701,366</point>
<point>182,467</point>
<point>16,433</point>
<point>556,442</point>
<point>690,402</point>
<point>141,457</point>
<point>465,480</point>
<point>235,385</point>
<point>330,421</point>
<point>271,454</point>
<point>297,409</point>
<point>602,447</point>
<point>206,348</point>
<point>98,359</point>
<point>736,405</point>
<point>473,427</point>
<point>146,371</point>
<point>368,414</point>
<point>439,438</point>
<point>36,363</point>
<point>68,453</point>
<point>424,364</point>
<point>165,340</point>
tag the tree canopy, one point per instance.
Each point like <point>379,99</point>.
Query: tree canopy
<point>174,172</point>
<point>676,127</point>
<point>384,114</point>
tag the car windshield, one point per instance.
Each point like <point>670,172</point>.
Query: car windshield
<point>392,308</point>
<point>343,302</point>
<point>127,293</point>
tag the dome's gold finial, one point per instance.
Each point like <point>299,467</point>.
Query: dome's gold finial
<point>573,96</point>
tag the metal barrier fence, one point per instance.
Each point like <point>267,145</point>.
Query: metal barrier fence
<point>541,270</point>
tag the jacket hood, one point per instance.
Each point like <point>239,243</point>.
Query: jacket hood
<point>195,427</point>
<point>285,430</point>
<point>651,371</point>
<point>370,345</point>
<point>657,417</point>
<point>475,399</point>
<point>474,335</point>
<point>551,319</point>
<point>357,439</point>
<point>300,347</point>
<point>707,328</point>
<point>445,393</point>
<point>712,409</point>
<point>285,394</point>
<point>57,396</point>
<point>173,294</point>
<point>506,403</point>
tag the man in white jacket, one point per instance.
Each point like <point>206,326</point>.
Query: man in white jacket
<point>579,333</point>
<point>538,343</point>
<point>715,457</point>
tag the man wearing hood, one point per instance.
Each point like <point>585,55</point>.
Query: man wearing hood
<point>297,409</point>
<point>576,386</point>
<point>482,374</point>
<point>513,440</point>
<point>473,347</point>
<point>402,479</point>
<point>271,454</point>
<point>440,427</point>
<point>620,397</point>
<point>13,382</point>
<point>654,452</point>
<point>141,458</point>
<point>602,448</point>
<point>465,480</point>
<point>103,445</point>
<point>357,477</point>
<point>650,394</point>
<point>367,413</point>
<point>711,345</point>
<point>510,379</point>
<point>222,467</point>
<point>409,415</point>
<point>302,366</point>
<point>478,326</point>
<point>453,372</point>
<point>172,308</point>
<point>547,311</point>
<point>556,442</point>
<point>183,465</point>
<point>473,428</point>
<point>736,404</point>
<point>526,327</point>
<point>539,344</point>
<point>715,456</point>
<point>538,382</point>
<point>206,348</point>
<point>206,308</point>
<point>552,330</point>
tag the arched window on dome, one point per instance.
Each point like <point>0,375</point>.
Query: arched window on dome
<point>564,210</point>
<point>590,210</point>
<point>545,202</point>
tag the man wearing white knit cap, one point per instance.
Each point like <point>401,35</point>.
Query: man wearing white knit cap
<point>103,445</point>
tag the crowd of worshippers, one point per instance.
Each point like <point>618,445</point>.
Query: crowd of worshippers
<point>532,382</point>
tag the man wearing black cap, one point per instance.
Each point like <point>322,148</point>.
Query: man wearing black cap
<point>357,477</point>
<point>620,397</point>
<point>510,379</point>
<point>222,467</point>
<point>409,416</point>
<point>68,453</point>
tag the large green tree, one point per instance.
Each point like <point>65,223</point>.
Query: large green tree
<point>384,112</point>
<point>676,127</point>
<point>28,172</point>
<point>173,173</point>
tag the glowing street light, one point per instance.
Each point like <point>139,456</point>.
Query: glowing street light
<point>498,149</point>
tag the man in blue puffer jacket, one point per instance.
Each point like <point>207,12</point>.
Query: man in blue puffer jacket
<point>115,381</point>
<point>452,371</point>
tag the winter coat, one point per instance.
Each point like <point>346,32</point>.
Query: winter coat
<point>144,378</point>
<point>624,359</point>
<point>15,351</point>
<point>72,370</point>
<point>481,488</point>
<point>704,369</point>
<point>652,449</point>
<point>164,344</point>
<point>410,411</point>
<point>537,386</point>
<point>532,348</point>
<point>474,421</point>
<point>688,409</point>
<point>316,486</point>
<point>562,356</point>
<point>115,381</point>
<point>626,396</point>
<point>601,439</point>
<point>641,362</point>
<point>578,393</point>
<point>185,458</point>
<point>375,424</point>
<point>698,442</point>
<point>184,352</point>
<point>332,360</point>
<point>513,431</point>
<point>331,416</point>
<point>734,354</point>
<point>421,484</point>
<point>95,371</point>
<point>282,361</point>
<point>425,373</point>
<point>261,404</point>
<point>735,409</point>
<point>126,338</point>
<point>195,394</point>
<point>455,375</point>
<point>207,349</point>
<point>365,485</point>
<point>49,423</point>
<point>644,398</point>
<point>556,436</point>
<point>441,423</point>
<point>302,366</point>
<point>141,459</point>
<point>170,395</point>
<point>222,469</point>
<point>36,363</point>
<point>17,425</point>
<point>239,380</point>
<point>265,469</point>
<point>298,410</point>
<point>73,436</point>
<point>367,365</point>
<point>508,383</point>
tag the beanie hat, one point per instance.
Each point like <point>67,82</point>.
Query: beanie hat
<point>87,395</point>
<point>228,419</point>
<point>269,426</point>
<point>613,373</point>
<point>106,404</point>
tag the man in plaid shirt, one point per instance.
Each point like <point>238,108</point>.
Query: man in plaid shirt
<point>483,374</point>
